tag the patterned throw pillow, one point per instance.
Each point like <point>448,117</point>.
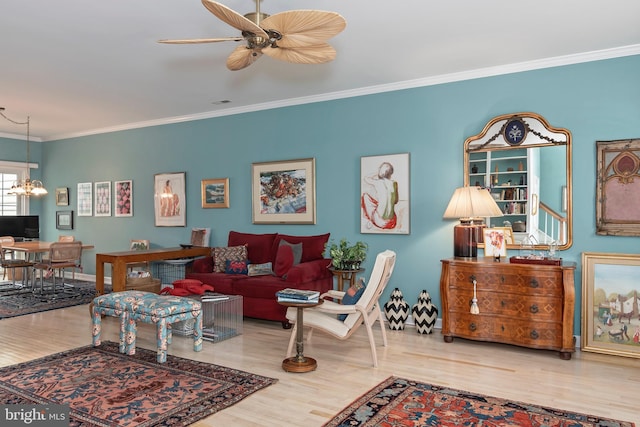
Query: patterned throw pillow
<point>222,254</point>
<point>351,296</point>
<point>260,269</point>
<point>237,267</point>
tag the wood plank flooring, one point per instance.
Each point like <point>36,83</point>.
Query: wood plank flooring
<point>590,383</point>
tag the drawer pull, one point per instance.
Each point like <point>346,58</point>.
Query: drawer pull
<point>473,327</point>
<point>533,308</point>
<point>534,283</point>
<point>534,334</point>
<point>503,304</point>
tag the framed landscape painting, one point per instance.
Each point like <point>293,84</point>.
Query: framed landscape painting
<point>85,198</point>
<point>170,200</point>
<point>384,194</point>
<point>215,193</point>
<point>123,193</point>
<point>102,198</point>
<point>284,192</point>
<point>610,304</point>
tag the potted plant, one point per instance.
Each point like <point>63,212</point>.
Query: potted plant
<point>345,256</point>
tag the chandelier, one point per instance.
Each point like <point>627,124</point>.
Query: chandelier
<point>26,186</point>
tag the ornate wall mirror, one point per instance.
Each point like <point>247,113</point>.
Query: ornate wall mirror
<point>526,165</point>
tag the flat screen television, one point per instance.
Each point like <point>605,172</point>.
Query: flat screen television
<point>20,227</point>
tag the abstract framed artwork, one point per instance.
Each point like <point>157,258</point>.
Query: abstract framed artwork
<point>610,304</point>
<point>284,192</point>
<point>64,220</point>
<point>215,193</point>
<point>385,194</point>
<point>62,196</point>
<point>85,199</point>
<point>102,198</point>
<point>170,199</point>
<point>617,187</point>
<point>123,196</point>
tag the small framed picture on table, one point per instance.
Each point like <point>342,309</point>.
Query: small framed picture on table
<point>495,242</point>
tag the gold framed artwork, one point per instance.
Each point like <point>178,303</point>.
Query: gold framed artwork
<point>62,196</point>
<point>495,244</point>
<point>169,199</point>
<point>215,193</point>
<point>617,186</point>
<point>284,192</point>
<point>610,304</point>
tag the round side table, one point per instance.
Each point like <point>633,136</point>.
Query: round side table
<point>348,276</point>
<point>299,362</point>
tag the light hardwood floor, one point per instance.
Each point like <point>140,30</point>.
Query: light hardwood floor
<point>591,383</point>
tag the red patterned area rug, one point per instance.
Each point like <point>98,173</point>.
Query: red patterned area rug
<point>106,388</point>
<point>401,402</point>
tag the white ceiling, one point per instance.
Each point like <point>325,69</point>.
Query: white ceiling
<point>83,67</point>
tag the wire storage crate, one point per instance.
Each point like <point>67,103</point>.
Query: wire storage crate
<point>221,317</point>
<point>168,271</point>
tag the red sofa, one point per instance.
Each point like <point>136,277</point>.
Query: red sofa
<point>258,291</point>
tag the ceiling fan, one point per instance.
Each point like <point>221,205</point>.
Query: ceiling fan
<point>297,36</point>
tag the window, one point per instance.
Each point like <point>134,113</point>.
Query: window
<point>11,204</point>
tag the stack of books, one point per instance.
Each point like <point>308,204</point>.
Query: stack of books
<point>298,295</point>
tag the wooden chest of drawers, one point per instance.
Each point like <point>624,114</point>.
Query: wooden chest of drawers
<point>528,305</point>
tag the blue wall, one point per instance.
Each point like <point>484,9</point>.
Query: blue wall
<point>596,101</point>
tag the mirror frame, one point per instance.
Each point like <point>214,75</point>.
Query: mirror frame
<point>536,133</point>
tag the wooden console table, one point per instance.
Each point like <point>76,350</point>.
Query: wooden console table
<point>528,305</point>
<point>119,261</point>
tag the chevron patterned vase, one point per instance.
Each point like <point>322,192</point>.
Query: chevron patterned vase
<point>424,313</point>
<point>396,310</point>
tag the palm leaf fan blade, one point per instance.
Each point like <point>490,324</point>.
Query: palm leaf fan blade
<point>242,57</point>
<point>315,54</point>
<point>233,18</point>
<point>194,41</point>
<point>304,27</point>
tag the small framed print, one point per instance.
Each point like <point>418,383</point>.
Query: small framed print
<point>103,198</point>
<point>123,195</point>
<point>64,220</point>
<point>215,193</point>
<point>85,199</point>
<point>62,196</point>
<point>495,244</point>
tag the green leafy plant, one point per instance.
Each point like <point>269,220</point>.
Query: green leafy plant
<point>347,256</point>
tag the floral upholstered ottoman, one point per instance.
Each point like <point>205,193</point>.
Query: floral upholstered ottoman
<point>163,310</point>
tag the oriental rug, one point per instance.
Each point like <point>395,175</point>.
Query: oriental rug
<point>16,301</point>
<point>402,402</point>
<point>105,388</point>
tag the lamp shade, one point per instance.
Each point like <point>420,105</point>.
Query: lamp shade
<point>471,202</point>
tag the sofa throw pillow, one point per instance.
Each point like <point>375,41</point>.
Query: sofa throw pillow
<point>351,296</point>
<point>313,247</point>
<point>237,267</point>
<point>284,260</point>
<point>263,269</point>
<point>222,254</point>
<point>296,248</point>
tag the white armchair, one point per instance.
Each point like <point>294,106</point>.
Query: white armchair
<point>364,312</point>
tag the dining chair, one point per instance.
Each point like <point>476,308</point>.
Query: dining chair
<point>62,255</point>
<point>365,311</point>
<point>6,253</point>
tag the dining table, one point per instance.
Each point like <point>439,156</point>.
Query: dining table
<point>34,249</point>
